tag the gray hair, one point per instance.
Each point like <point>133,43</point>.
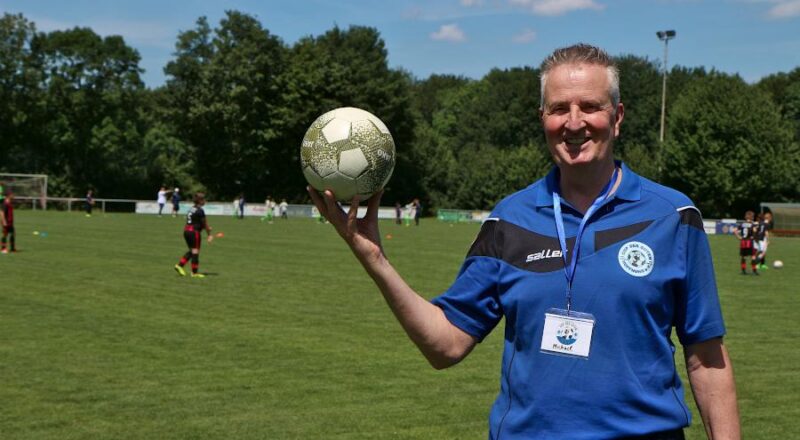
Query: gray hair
<point>586,54</point>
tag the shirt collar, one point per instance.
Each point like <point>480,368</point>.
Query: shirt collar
<point>629,189</point>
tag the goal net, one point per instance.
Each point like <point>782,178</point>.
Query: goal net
<point>785,216</point>
<point>28,188</point>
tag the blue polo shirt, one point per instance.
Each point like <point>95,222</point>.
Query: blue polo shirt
<point>644,267</point>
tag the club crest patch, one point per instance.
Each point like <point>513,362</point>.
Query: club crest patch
<point>636,258</point>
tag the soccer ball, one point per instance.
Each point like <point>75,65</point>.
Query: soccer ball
<point>777,264</point>
<point>348,151</point>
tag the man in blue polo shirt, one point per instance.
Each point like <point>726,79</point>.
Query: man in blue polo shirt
<point>591,267</point>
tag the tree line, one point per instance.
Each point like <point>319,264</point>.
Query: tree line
<point>238,99</point>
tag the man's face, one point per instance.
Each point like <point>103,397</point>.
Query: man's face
<point>579,120</point>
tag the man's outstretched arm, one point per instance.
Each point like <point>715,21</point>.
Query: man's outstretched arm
<point>442,343</point>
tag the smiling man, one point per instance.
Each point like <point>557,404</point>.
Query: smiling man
<point>592,267</point>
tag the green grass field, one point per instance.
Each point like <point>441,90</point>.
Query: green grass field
<point>287,338</point>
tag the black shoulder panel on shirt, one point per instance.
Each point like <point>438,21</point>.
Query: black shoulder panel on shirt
<point>608,237</point>
<point>519,247</point>
<point>691,217</point>
<point>485,244</point>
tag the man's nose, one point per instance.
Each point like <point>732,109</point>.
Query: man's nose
<point>575,119</point>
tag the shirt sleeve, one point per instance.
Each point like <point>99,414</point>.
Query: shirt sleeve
<point>698,316</point>
<point>471,303</point>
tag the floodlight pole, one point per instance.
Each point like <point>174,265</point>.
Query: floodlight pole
<point>664,36</point>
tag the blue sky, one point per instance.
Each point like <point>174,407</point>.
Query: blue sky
<point>753,38</point>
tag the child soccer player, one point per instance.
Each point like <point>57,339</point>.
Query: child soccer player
<point>195,224</point>
<point>745,232</point>
<point>269,206</point>
<point>88,203</point>
<point>8,223</point>
<point>176,201</point>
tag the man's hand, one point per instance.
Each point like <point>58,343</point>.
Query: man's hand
<point>210,238</point>
<point>362,235</point>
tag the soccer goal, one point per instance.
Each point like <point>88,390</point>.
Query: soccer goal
<point>786,217</point>
<point>26,188</point>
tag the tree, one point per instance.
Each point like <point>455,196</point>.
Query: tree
<point>778,85</point>
<point>482,139</point>
<point>791,107</point>
<point>169,161</point>
<point>427,95</point>
<point>228,103</point>
<point>21,100</point>
<point>91,122</point>
<point>640,93</point>
<point>347,68</point>
<point>728,147</point>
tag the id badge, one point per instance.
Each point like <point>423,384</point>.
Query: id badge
<point>567,333</point>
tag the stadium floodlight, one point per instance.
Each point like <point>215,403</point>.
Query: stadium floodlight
<point>664,36</point>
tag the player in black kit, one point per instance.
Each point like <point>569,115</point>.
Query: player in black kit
<point>745,232</point>
<point>195,224</point>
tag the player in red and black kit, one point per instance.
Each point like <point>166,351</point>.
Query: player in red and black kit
<point>8,224</point>
<point>195,224</point>
<point>745,232</point>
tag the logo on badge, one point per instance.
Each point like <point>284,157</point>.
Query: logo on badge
<point>636,258</point>
<point>567,333</point>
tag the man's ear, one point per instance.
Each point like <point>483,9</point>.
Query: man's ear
<point>619,115</point>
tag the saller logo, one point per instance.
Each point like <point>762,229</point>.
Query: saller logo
<point>541,255</point>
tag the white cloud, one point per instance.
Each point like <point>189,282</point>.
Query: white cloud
<point>785,9</point>
<point>556,7</point>
<point>449,32</point>
<point>469,3</point>
<point>526,36</point>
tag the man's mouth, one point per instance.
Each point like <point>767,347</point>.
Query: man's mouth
<point>575,142</point>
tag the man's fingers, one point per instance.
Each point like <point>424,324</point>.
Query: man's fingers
<point>335,213</point>
<point>352,215</point>
<point>373,204</point>
<point>317,200</point>
<point>330,201</point>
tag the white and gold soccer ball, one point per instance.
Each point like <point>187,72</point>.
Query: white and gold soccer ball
<point>777,264</point>
<point>348,151</point>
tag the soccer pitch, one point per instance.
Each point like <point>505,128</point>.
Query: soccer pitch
<point>287,338</point>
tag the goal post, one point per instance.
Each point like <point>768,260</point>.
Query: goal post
<point>26,187</point>
<point>785,217</point>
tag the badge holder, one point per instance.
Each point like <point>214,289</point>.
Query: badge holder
<point>567,333</point>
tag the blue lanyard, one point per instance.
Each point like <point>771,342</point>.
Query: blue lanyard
<point>571,263</point>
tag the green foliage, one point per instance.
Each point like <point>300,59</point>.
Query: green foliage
<point>226,100</point>
<point>790,106</point>
<point>640,89</point>
<point>778,86</point>
<point>478,141</point>
<point>170,162</point>
<point>348,68</point>
<point>729,148</point>
<point>80,121</point>
<point>21,100</point>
